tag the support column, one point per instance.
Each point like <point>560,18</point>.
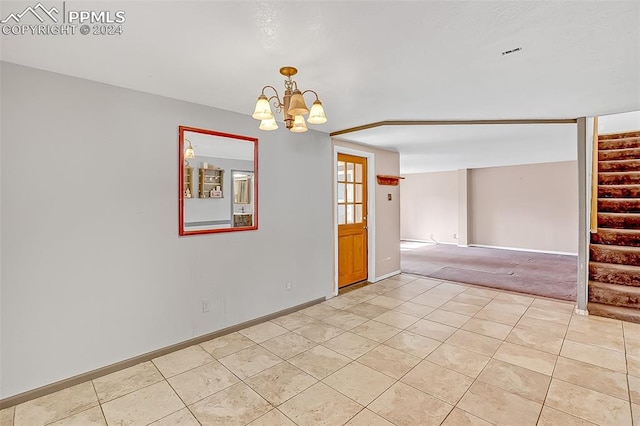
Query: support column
<point>463,208</point>
<point>583,218</point>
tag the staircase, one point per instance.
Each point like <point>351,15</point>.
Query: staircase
<point>614,253</point>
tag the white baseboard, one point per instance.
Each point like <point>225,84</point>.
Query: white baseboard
<point>427,242</point>
<point>385,276</point>
<point>582,312</point>
<point>524,249</point>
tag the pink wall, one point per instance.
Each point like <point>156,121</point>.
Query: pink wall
<point>429,207</point>
<point>387,214</point>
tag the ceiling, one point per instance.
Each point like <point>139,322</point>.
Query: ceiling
<point>371,61</point>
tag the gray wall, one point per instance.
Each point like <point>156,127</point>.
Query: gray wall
<point>93,270</point>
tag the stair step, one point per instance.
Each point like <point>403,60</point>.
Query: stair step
<point>617,237</point>
<point>619,205</point>
<point>614,254</point>
<point>604,145</point>
<point>619,166</point>
<point>615,274</point>
<point>620,135</point>
<point>619,154</point>
<point>619,220</point>
<point>614,294</point>
<point>618,191</point>
<point>619,178</point>
<point>615,312</point>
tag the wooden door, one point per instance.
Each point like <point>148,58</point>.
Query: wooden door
<point>352,219</point>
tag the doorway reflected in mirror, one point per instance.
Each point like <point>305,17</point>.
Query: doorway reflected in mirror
<point>217,181</point>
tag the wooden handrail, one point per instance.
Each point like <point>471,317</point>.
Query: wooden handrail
<point>594,179</point>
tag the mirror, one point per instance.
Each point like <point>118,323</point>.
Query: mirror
<point>218,185</point>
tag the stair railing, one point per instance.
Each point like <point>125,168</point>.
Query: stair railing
<point>594,179</point>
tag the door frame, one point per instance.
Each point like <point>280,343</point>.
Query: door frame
<point>371,211</point>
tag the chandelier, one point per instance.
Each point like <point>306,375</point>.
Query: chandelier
<point>292,106</point>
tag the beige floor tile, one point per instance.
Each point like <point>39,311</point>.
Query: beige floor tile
<point>635,410</point>
<point>438,381</point>
<point>632,346</point>
<point>414,309</point>
<point>471,299</point>
<point>424,283</point>
<point>389,361</point>
<point>587,404</point>
<point>405,293</point>
<point>433,330</point>
<point>320,405</point>
<point>288,345</point>
<point>542,326</point>
<point>367,310</point>
<point>507,306</point>
<point>125,381</point>
<point>451,288</point>
<point>514,299</point>
<point>375,330</point>
<point>498,406</point>
<point>548,315</point>
<point>56,406</point>
<point>612,341</point>
<point>359,297</point>
<point>342,302</point>
<point>345,320</point>
<point>281,382</point>
<point>552,417</point>
<point>293,320</point>
<point>404,405</point>
<point>227,345</point>
<point>319,331</point>
<point>91,417</point>
<point>595,324</point>
<point>517,380</point>
<point>601,357</point>
<point>458,359</point>
<point>385,302</point>
<point>351,345</point>
<point>250,361</point>
<point>319,311</point>
<point>634,389</point>
<point>551,305</point>
<point>487,328</point>
<point>535,340</point>
<point>179,418</point>
<point>182,360</point>
<point>319,361</point>
<point>359,382</point>
<point>497,315</point>
<point>6,416</point>
<point>460,307</point>
<point>631,330</point>
<point>483,345</point>
<point>397,319</point>
<point>368,418</point>
<point>482,292</point>
<point>273,418</point>
<point>237,405</point>
<point>199,383</point>
<point>433,300</point>
<point>457,417</point>
<point>592,377</point>
<point>413,344</point>
<point>535,360</point>
<point>142,406</point>
<point>264,331</point>
<point>633,364</point>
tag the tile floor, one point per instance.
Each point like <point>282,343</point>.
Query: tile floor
<point>404,351</point>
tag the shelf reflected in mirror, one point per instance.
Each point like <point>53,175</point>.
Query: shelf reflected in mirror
<point>218,182</point>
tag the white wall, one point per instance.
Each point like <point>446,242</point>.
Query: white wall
<point>429,207</point>
<point>625,122</point>
<point>94,272</point>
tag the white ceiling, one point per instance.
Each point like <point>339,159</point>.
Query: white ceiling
<point>369,61</point>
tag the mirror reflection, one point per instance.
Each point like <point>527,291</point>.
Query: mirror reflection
<point>218,188</point>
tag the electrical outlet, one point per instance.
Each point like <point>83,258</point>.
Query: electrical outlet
<point>289,285</point>
<point>205,306</point>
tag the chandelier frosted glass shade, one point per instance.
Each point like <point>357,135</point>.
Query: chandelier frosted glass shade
<point>189,152</point>
<point>292,106</point>
<point>263,109</point>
